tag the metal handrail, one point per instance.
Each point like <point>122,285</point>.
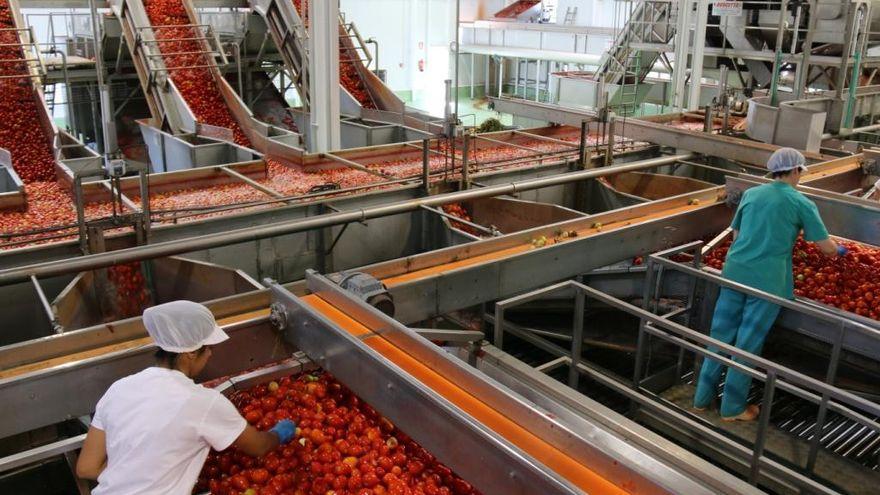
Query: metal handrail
<point>821,313</point>
<point>662,327</point>
<point>826,390</point>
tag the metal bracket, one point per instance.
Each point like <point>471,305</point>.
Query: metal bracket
<point>336,240</point>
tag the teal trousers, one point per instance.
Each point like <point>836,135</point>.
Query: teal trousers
<point>742,321</point>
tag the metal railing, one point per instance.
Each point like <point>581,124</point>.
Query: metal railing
<point>659,262</point>
<point>774,376</point>
<point>210,48</point>
<point>31,63</point>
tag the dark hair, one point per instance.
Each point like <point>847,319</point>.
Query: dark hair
<point>784,173</point>
<point>165,357</point>
<point>170,358</point>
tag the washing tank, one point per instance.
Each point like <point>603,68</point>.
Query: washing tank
<point>124,291</point>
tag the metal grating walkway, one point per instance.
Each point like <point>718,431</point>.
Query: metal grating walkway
<point>847,459</point>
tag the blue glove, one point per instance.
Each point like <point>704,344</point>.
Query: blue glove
<point>841,251</point>
<point>285,430</point>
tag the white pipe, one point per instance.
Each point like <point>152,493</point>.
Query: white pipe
<point>850,132</point>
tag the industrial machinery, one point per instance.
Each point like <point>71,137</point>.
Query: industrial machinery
<point>423,287</point>
<point>528,306</point>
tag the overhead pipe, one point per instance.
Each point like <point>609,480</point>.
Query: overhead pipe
<point>247,234</point>
<point>849,132</point>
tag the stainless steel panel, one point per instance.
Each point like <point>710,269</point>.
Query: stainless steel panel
<point>466,446</point>
<point>492,393</point>
<point>467,286</point>
<point>844,216</point>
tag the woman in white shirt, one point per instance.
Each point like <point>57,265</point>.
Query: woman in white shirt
<point>152,431</point>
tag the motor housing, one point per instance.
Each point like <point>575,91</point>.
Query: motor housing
<point>367,288</point>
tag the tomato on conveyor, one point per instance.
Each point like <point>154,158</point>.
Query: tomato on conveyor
<point>196,84</point>
<point>21,133</point>
<point>343,446</point>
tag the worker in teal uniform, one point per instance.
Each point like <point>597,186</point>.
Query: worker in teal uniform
<point>766,225</point>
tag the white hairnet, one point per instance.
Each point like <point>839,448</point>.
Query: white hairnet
<point>785,159</point>
<point>182,326</point>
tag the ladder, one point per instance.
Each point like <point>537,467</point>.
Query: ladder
<point>627,98</point>
<point>651,24</point>
<point>49,96</point>
<point>570,15</point>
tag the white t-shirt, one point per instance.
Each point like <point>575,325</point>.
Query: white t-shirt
<point>160,426</point>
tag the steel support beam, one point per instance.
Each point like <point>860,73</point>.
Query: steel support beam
<point>682,37</point>
<point>324,76</point>
<point>731,148</point>
<point>543,111</point>
<point>697,57</point>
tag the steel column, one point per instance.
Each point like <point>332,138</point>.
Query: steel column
<point>324,76</point>
<point>682,37</point>
<point>697,57</point>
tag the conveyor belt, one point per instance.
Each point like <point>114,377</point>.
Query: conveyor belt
<point>512,251</point>
<point>109,349</point>
<point>559,461</point>
<point>168,103</point>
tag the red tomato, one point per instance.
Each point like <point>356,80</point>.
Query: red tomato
<point>239,482</point>
<point>259,476</point>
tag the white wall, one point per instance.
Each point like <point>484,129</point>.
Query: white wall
<point>405,29</point>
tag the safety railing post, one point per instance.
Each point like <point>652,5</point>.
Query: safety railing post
<point>830,377</point>
<point>498,338</point>
<point>426,185</point>
<point>577,337</point>
<point>689,313</point>
<point>763,423</point>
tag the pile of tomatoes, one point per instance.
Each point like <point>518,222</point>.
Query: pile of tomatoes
<point>457,210</point>
<point>302,8</point>
<point>715,258</point>
<point>196,84</point>
<point>349,77</point>
<point>518,8</point>
<point>21,133</point>
<point>851,283</point>
<point>217,195</point>
<point>132,296</point>
<point>48,205</point>
<point>343,447</point>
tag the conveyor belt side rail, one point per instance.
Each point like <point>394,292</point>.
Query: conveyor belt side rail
<point>613,461</point>
<point>72,387</point>
<point>453,436</point>
<point>291,36</point>
<point>169,111</point>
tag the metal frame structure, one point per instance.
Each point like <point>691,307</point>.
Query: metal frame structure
<point>759,465</point>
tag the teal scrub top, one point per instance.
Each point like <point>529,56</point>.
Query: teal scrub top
<point>769,219</point>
